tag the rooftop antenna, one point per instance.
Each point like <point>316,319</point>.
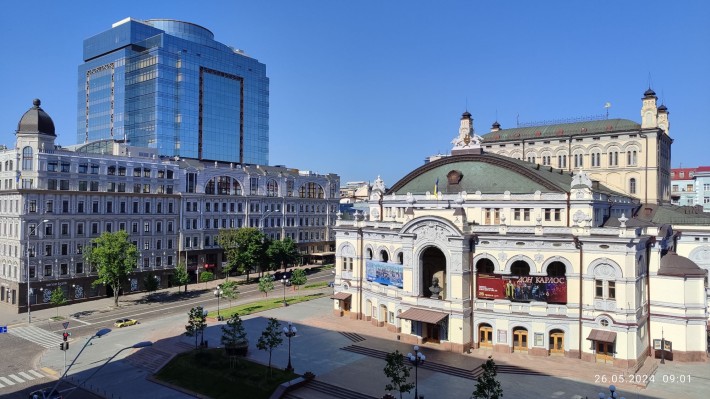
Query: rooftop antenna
<point>466,103</point>
<point>607,105</point>
<point>649,80</point>
<point>517,120</point>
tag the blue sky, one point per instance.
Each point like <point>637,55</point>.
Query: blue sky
<point>373,87</point>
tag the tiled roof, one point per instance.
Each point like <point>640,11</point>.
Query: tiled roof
<point>562,130</point>
<point>673,214</point>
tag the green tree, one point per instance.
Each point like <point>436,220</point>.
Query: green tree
<point>230,290</point>
<point>58,298</point>
<point>398,373</point>
<point>243,248</point>
<point>151,283</point>
<point>487,386</point>
<point>234,336</point>
<point>283,253</point>
<point>181,277</point>
<point>206,277</point>
<point>298,277</point>
<point>196,322</point>
<point>270,338</point>
<point>266,284</point>
<point>114,257</point>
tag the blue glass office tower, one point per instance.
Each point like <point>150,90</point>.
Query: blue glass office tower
<point>169,85</point>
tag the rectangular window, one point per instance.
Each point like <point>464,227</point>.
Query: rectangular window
<point>94,169</point>
<point>109,207</point>
<point>47,270</point>
<point>95,207</point>
<point>80,229</point>
<point>526,214</point>
<point>611,294</point>
<point>83,168</point>
<point>83,185</point>
<point>64,185</point>
<point>94,228</point>
<point>79,268</point>
<point>598,288</point>
<point>516,214</point>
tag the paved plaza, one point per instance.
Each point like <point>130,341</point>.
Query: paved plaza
<point>347,354</point>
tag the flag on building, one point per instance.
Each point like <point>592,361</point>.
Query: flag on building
<point>436,189</point>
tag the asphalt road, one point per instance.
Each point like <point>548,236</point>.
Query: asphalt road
<point>166,305</point>
<point>20,355</point>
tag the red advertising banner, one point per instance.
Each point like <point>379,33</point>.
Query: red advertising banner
<point>522,288</point>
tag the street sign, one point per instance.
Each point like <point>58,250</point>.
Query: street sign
<point>65,324</point>
<point>3,329</point>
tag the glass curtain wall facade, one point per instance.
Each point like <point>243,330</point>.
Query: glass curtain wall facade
<point>169,85</point>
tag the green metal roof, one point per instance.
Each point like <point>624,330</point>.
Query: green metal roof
<point>562,130</point>
<point>487,173</point>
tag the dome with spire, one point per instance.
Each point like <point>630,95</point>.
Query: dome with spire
<point>663,108</point>
<point>35,120</point>
<point>496,125</point>
<point>466,115</point>
<point>649,93</point>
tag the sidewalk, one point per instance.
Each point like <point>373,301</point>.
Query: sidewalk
<point>9,318</point>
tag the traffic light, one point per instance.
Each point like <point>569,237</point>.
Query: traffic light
<point>63,346</point>
<point>65,336</point>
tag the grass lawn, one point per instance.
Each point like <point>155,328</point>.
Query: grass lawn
<point>264,304</point>
<point>208,372</point>
<point>319,284</point>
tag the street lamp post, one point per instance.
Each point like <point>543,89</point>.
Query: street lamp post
<point>202,330</point>
<point>218,293</point>
<point>663,348</point>
<point>612,395</point>
<point>98,334</point>
<point>29,313</point>
<point>417,358</point>
<point>290,332</point>
<point>135,346</point>
<point>283,281</point>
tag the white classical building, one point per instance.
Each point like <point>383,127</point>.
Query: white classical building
<point>55,200</point>
<point>478,251</point>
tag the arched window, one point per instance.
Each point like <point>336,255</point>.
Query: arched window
<point>209,187</point>
<point>384,257</point>
<point>485,266</point>
<point>400,258</point>
<point>632,185</point>
<point>562,161</point>
<point>311,190</point>
<point>27,158</point>
<point>236,187</point>
<point>613,157</point>
<point>596,158</point>
<point>556,269</point>
<point>272,188</point>
<point>520,268</point>
<point>631,158</point>
<point>578,160</point>
<point>368,253</point>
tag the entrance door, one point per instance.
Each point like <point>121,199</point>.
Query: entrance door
<point>605,352</point>
<point>346,306</point>
<point>485,336</point>
<point>432,331</point>
<point>520,340</point>
<point>557,342</point>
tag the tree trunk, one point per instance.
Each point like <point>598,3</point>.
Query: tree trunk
<point>115,295</point>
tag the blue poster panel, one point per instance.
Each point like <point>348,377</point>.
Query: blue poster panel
<point>384,273</point>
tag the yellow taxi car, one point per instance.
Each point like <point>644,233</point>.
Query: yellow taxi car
<point>125,322</point>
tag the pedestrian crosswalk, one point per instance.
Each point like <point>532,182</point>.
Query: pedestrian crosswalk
<point>19,378</point>
<point>36,335</point>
